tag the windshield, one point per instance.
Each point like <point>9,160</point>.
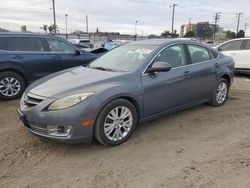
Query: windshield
<point>124,58</point>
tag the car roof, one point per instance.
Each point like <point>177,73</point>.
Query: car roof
<point>245,38</point>
<point>159,42</point>
<point>25,34</point>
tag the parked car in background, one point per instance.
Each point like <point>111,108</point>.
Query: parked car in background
<point>99,51</point>
<point>113,44</point>
<point>25,57</point>
<point>82,47</point>
<point>85,42</point>
<point>239,50</point>
<point>130,84</point>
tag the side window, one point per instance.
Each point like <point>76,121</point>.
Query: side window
<point>247,45</point>
<point>213,54</point>
<point>3,44</point>
<point>174,55</point>
<point>231,46</point>
<point>198,54</point>
<point>56,45</point>
<point>27,44</point>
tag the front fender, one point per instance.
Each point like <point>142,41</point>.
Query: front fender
<point>130,92</point>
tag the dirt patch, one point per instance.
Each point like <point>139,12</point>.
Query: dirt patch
<point>200,147</point>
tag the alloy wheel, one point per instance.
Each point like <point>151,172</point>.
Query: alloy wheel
<point>221,93</point>
<point>118,123</point>
<point>9,86</point>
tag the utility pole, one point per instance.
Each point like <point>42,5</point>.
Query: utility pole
<point>66,24</point>
<point>216,18</point>
<point>87,23</point>
<point>54,15</point>
<point>238,23</point>
<point>245,28</point>
<point>172,31</point>
<point>136,22</point>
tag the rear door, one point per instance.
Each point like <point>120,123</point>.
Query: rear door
<point>3,48</point>
<point>65,54</point>
<point>203,72</point>
<point>244,56</point>
<point>232,49</point>
<point>31,55</point>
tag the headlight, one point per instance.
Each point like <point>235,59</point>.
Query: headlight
<point>69,101</point>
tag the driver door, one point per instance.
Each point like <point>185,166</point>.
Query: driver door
<point>164,91</point>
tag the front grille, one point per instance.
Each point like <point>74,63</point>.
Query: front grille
<point>31,100</point>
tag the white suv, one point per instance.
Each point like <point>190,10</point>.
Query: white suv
<point>239,50</point>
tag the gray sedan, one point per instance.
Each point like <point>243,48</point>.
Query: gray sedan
<point>127,86</point>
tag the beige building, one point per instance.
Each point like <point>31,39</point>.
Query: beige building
<point>186,28</point>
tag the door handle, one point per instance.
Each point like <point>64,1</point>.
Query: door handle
<point>57,57</point>
<point>16,57</point>
<point>233,54</point>
<point>187,73</point>
<point>216,65</point>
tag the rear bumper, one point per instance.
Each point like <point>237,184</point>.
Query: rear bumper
<point>242,71</point>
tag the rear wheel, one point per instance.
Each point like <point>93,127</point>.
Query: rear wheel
<point>221,92</point>
<point>12,85</point>
<point>116,122</point>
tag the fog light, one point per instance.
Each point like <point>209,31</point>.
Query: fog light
<point>58,130</point>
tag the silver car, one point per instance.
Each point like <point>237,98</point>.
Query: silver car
<point>127,86</point>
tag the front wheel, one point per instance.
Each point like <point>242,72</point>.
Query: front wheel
<point>221,92</point>
<point>116,122</point>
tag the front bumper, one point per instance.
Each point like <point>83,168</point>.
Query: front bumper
<point>36,120</point>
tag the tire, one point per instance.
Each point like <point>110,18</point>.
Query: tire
<point>111,128</point>
<point>12,85</point>
<point>219,99</point>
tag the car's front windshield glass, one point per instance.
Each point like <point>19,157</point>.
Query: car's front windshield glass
<point>124,58</point>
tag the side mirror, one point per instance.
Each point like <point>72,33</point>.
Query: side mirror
<point>78,52</point>
<point>159,66</point>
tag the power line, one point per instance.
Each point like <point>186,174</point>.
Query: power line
<point>174,5</point>
<point>216,18</point>
<point>54,15</point>
<point>87,23</point>
<point>238,23</point>
<point>136,22</point>
<point>66,25</point>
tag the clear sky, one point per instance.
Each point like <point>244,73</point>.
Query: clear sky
<point>154,16</point>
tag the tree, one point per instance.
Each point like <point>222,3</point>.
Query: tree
<point>241,34</point>
<point>175,34</point>
<point>53,29</point>
<point>45,28</point>
<point>189,34</point>
<point>230,34</point>
<point>166,34</point>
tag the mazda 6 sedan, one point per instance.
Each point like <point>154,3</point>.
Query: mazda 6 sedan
<point>129,85</point>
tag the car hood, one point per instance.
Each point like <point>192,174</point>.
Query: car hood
<point>74,80</point>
